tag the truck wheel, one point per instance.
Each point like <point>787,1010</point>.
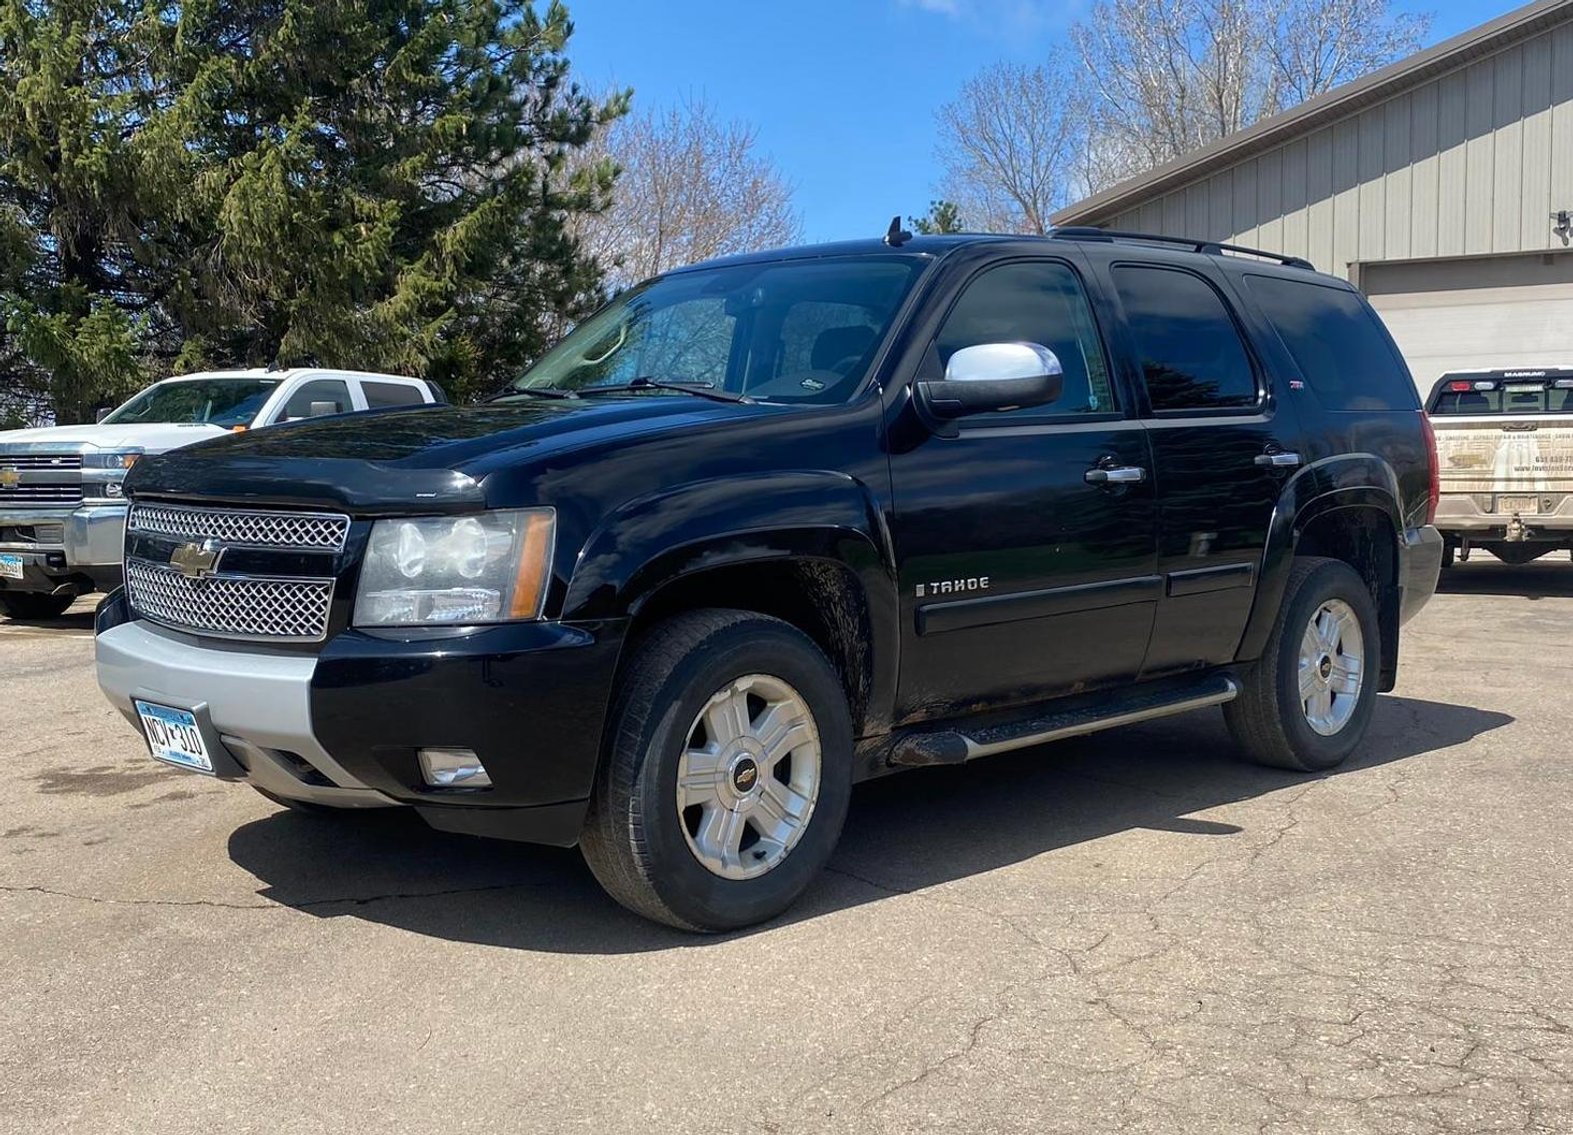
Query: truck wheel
<point>1307,702</point>
<point>727,775</point>
<point>34,604</point>
<point>1448,550</point>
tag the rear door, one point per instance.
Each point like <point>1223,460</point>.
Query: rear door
<point>1222,449</point>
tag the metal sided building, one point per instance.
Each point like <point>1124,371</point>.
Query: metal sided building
<point>1441,185</point>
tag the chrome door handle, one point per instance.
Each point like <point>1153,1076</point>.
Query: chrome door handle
<point>1118,475</point>
<point>1278,460</point>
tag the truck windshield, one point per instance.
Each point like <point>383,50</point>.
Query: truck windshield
<point>226,402</point>
<point>1477,394</point>
<point>778,331</point>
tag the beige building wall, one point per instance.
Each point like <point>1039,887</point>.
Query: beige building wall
<point>1470,163</point>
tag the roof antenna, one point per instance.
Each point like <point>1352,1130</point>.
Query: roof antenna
<point>896,236</point>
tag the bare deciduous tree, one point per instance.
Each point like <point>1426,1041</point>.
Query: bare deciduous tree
<point>1173,76</point>
<point>1008,145</point>
<point>692,187</point>
<point>1150,80</point>
<point>1319,44</point>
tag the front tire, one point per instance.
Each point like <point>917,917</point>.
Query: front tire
<point>1306,704</point>
<point>31,605</point>
<point>727,776</point>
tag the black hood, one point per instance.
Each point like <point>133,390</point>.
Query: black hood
<point>433,457</point>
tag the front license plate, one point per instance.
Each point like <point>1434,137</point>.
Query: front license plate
<point>1524,506</point>
<point>173,736</point>
<point>10,567</point>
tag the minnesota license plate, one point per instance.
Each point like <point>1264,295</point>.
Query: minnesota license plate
<point>173,736</point>
<point>1524,506</point>
<point>11,567</point>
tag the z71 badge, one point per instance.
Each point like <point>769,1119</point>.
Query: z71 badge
<point>951,586</point>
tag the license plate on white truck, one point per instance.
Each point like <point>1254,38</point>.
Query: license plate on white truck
<point>174,737</point>
<point>11,567</point>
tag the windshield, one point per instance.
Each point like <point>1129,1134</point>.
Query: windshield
<point>223,402</point>
<point>1534,393</point>
<point>782,331</point>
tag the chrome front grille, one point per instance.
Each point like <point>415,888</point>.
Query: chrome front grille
<point>231,606</point>
<point>49,462</point>
<point>290,531</point>
<point>33,493</point>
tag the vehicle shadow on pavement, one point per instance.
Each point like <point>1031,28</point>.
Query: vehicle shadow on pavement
<point>1550,578</point>
<point>903,834</point>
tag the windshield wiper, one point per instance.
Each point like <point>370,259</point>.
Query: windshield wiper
<point>528,391</point>
<point>698,389</point>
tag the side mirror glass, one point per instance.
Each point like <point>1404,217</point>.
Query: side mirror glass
<point>994,376</point>
<point>101,413</point>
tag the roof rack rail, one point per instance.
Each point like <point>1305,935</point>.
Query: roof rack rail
<point>1206,247</point>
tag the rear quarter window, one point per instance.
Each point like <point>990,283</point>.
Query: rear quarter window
<point>1341,348</point>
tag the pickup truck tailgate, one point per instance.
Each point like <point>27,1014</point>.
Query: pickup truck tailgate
<point>1504,455</point>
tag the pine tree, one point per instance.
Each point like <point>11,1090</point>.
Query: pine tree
<point>942,217</point>
<point>232,182</point>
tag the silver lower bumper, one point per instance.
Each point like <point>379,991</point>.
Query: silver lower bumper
<point>92,535</point>
<point>1461,513</point>
<point>259,704</point>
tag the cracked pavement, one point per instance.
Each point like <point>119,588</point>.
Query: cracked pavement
<point>1128,932</point>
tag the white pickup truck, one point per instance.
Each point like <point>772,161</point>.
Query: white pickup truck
<point>62,518</point>
<point>1505,452</point>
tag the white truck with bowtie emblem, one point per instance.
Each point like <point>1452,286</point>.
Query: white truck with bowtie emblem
<point>62,516</point>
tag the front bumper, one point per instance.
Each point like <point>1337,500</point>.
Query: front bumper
<point>81,545</point>
<point>343,728</point>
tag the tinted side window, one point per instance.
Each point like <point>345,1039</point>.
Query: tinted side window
<point>1190,350</point>
<point>1337,343</point>
<point>1035,302</point>
<point>380,395</point>
<point>333,390</point>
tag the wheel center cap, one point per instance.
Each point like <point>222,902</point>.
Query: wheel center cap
<point>1325,667</point>
<point>745,775</point>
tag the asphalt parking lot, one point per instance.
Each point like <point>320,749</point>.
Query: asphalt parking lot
<point>1131,932</point>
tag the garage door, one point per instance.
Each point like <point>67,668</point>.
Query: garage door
<point>1499,311</point>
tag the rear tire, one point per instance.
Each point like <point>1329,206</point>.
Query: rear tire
<point>754,717</point>
<point>34,604</point>
<point>1448,550</point>
<point>1307,702</point>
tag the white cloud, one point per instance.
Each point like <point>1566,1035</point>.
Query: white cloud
<point>942,7</point>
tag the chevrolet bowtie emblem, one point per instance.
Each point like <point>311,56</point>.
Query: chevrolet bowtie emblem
<point>9,478</point>
<point>195,561</point>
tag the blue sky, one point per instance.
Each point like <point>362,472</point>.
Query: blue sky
<point>843,92</point>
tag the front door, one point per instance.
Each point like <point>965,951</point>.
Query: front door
<point>1027,542</point>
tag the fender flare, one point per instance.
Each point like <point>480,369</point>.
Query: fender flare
<point>1356,480</point>
<point>801,516</point>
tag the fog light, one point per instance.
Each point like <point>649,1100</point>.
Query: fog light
<point>453,768</point>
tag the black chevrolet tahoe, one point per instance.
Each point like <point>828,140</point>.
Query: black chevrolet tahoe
<point>770,526</point>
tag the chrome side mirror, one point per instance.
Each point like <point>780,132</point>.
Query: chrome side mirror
<point>994,376</point>
<point>323,409</point>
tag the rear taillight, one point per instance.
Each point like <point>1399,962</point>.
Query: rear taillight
<point>1434,488</point>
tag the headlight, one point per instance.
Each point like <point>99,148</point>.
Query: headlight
<point>489,568</point>
<point>121,459</point>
